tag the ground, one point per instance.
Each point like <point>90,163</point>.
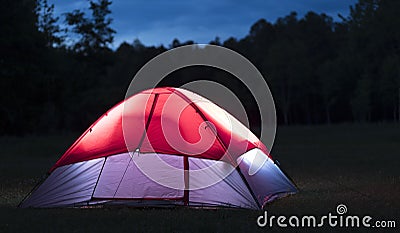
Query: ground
<point>355,165</point>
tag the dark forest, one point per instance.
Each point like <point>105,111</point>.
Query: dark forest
<point>60,73</point>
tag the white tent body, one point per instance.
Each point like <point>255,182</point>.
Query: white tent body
<point>118,180</point>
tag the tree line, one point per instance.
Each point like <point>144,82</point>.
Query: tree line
<point>62,78</point>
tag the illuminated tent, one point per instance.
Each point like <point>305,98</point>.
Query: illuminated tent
<point>164,146</point>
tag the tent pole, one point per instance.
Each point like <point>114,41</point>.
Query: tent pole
<point>186,177</point>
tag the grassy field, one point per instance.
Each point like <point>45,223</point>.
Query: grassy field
<point>356,165</point>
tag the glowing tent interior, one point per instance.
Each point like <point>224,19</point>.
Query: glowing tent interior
<point>164,146</point>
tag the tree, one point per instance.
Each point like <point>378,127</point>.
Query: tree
<point>331,80</point>
<point>47,23</point>
<point>176,43</point>
<point>95,33</point>
<point>20,56</point>
<point>361,101</point>
<point>261,37</point>
<point>216,41</point>
<point>389,88</point>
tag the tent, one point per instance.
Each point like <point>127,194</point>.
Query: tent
<point>164,146</point>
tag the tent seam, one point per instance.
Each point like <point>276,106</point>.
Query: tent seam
<point>98,178</point>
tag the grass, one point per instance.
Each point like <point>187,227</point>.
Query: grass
<point>357,165</point>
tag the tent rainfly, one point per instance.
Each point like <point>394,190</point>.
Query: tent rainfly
<point>164,146</point>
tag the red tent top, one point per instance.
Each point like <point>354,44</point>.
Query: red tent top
<point>164,120</point>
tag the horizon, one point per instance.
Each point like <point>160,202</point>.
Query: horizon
<point>154,26</point>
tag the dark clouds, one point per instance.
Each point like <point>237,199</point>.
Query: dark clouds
<point>157,22</point>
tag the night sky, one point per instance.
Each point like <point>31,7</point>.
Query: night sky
<point>156,22</point>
